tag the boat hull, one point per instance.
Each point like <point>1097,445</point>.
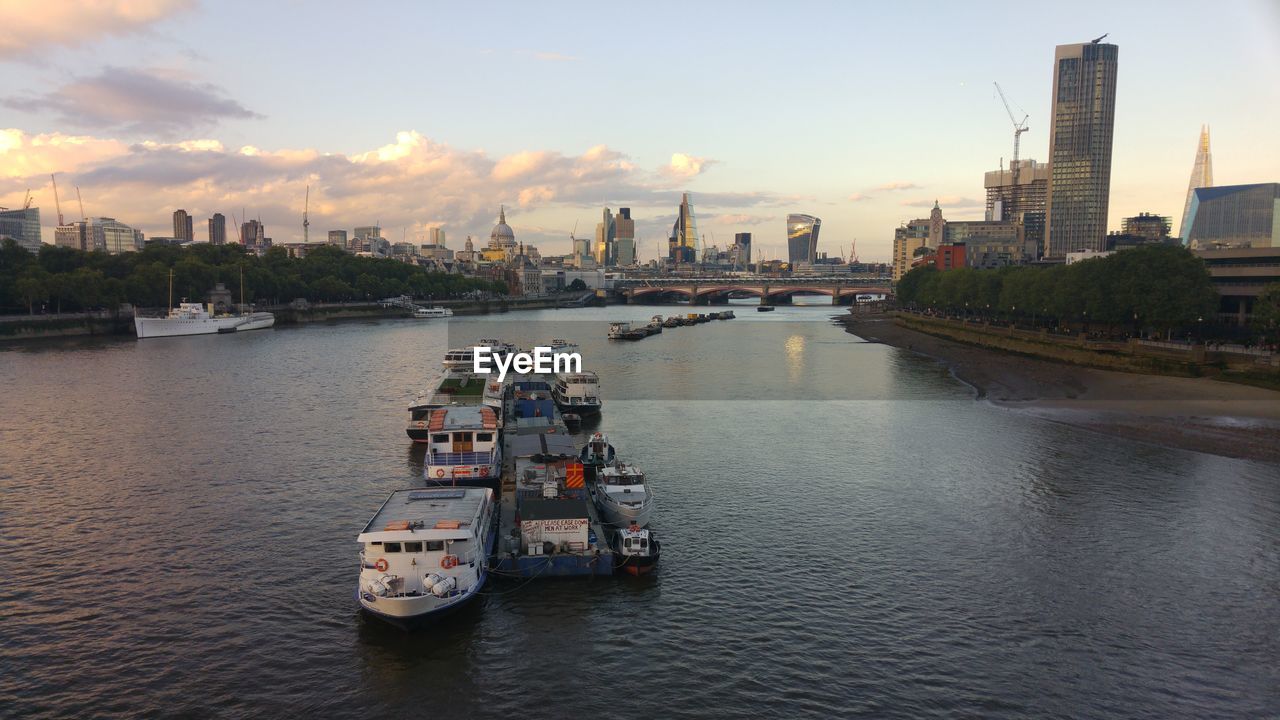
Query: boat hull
<point>414,612</point>
<point>637,565</point>
<point>620,516</point>
<point>582,409</point>
<point>175,327</point>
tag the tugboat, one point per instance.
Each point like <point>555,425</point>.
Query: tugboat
<point>425,553</point>
<point>623,498</point>
<point>619,330</point>
<point>655,325</point>
<point>597,454</point>
<point>636,550</point>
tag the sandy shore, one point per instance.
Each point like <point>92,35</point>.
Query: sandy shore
<point>1199,414</point>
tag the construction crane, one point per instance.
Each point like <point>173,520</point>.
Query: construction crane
<point>26,201</point>
<point>1018,129</point>
<point>306,223</point>
<point>83,217</point>
<point>57,205</point>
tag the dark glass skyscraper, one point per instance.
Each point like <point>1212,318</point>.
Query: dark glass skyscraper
<point>802,238</point>
<point>1084,105</point>
<point>682,246</point>
<point>1234,216</point>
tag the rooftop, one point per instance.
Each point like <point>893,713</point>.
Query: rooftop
<point>413,514</point>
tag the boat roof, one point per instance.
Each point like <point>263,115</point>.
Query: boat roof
<point>543,444</point>
<point>463,417</point>
<point>586,376</point>
<point>559,509</point>
<point>424,509</point>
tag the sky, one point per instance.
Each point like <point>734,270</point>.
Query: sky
<point>414,115</point>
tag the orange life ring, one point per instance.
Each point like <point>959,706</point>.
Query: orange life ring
<point>420,424</point>
<point>449,561</point>
<point>484,472</point>
<point>381,565</point>
<point>440,472</point>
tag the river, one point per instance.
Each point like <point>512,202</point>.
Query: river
<point>845,530</point>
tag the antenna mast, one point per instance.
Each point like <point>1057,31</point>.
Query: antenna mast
<point>306,223</point>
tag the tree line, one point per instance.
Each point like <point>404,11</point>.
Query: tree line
<point>70,280</point>
<point>1160,287</point>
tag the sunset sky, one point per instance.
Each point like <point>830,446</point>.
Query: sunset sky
<point>415,115</point>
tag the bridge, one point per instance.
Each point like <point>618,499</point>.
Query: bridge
<point>770,290</point>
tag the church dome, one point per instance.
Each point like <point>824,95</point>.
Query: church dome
<point>502,233</point>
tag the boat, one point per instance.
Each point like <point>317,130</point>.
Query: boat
<point>464,357</point>
<point>672,322</point>
<point>655,325</point>
<point>572,421</point>
<point>195,319</point>
<point>597,454</point>
<point>562,345</point>
<point>618,330</point>
<point>455,387</point>
<point>725,315</point>
<point>423,313</point>
<point>577,393</point>
<point>425,553</point>
<point>464,446</point>
<point>636,550</point>
<point>764,308</point>
<point>620,493</point>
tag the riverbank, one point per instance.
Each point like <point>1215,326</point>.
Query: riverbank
<point>1200,414</point>
<point>43,327</point>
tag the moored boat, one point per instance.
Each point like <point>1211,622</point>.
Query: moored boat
<point>423,313</point>
<point>636,550</point>
<point>425,552</point>
<point>597,454</point>
<point>464,446</point>
<point>195,319</point>
<point>619,330</point>
<point>620,493</point>
<point>764,308</point>
<point>577,393</point>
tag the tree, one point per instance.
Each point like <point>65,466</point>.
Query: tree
<point>31,289</point>
<point>1266,311</point>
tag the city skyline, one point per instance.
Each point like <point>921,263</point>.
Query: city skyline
<point>861,157</point>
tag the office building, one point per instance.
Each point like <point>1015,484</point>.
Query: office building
<point>22,226</point>
<point>338,238</point>
<point>1240,275</point>
<point>114,237</point>
<point>74,235</point>
<point>217,229</point>
<point>1020,197</point>
<point>908,241</point>
<point>624,241</point>
<point>436,237</point>
<point>1083,121</point>
<point>990,244</point>
<point>742,250</point>
<point>183,227</point>
<point>682,244</point>
<point>606,231</point>
<point>1201,177</point>
<point>1235,216</point>
<point>254,236</point>
<point>802,239</point>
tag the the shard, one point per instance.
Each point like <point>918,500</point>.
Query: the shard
<point>1201,177</point>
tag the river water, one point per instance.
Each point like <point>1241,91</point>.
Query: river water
<point>846,532</point>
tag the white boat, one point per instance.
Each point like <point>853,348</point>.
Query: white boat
<point>463,357</point>
<point>423,313</point>
<point>636,550</point>
<point>562,345</point>
<point>464,446</point>
<point>455,387</point>
<point>622,496</point>
<point>195,319</point>
<point>577,393</point>
<point>425,552</point>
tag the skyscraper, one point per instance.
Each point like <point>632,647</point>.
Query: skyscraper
<point>1201,177</point>
<point>1084,104</point>
<point>802,239</point>
<point>624,241</point>
<point>22,226</point>
<point>606,231</point>
<point>217,229</point>
<point>742,250</point>
<point>253,234</point>
<point>183,228</point>
<point>682,245</point>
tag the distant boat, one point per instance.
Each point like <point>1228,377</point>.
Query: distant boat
<point>423,313</point>
<point>765,308</point>
<point>196,319</point>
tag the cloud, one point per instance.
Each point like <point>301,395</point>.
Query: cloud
<point>859,197</point>
<point>954,202</point>
<point>897,185</point>
<point>136,101</point>
<point>555,57</point>
<point>32,27</point>
<point>686,166</point>
<point>741,219</point>
<point>413,182</point>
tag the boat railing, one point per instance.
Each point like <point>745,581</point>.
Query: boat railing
<point>461,458</point>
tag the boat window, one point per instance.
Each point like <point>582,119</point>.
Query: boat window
<point>390,547</point>
<point>626,543</point>
<point>643,543</point>
<point>435,545</point>
<point>484,437</point>
<point>463,436</point>
<point>415,547</point>
<point>442,438</point>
